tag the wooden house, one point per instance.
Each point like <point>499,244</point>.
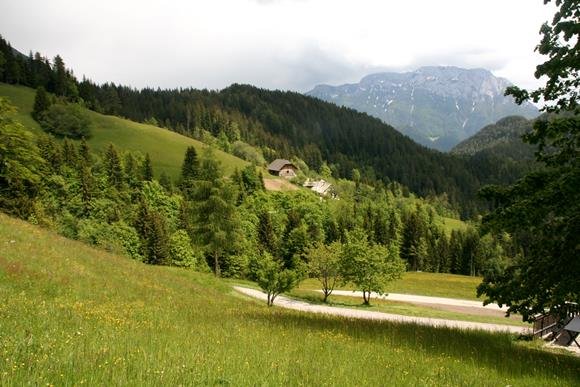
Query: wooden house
<point>284,168</point>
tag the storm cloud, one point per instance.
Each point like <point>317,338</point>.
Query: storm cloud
<point>278,44</point>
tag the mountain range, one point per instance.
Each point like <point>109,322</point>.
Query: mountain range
<point>436,106</point>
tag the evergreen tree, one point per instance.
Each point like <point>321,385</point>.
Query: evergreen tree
<point>20,164</point>
<point>84,152</point>
<point>147,168</point>
<point>132,172</point>
<point>87,186</point>
<point>217,223</point>
<point>60,78</point>
<point>69,153</point>
<point>41,103</point>
<point>190,166</point>
<point>152,229</point>
<point>113,167</point>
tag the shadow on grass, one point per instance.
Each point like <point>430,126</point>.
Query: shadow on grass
<point>499,351</point>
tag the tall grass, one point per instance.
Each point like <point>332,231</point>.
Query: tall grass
<point>72,315</point>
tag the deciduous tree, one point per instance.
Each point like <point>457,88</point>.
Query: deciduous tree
<point>369,267</point>
<point>324,264</point>
<point>542,210</point>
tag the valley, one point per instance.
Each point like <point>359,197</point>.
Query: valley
<point>177,209</point>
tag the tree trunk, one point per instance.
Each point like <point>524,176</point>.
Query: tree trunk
<point>216,265</point>
<point>270,299</point>
<point>366,297</point>
<point>326,294</point>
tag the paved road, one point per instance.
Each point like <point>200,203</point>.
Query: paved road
<point>288,303</point>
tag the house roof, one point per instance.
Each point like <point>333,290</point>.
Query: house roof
<point>278,164</point>
<point>320,186</point>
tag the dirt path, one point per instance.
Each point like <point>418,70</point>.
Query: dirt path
<point>288,303</point>
<point>279,185</point>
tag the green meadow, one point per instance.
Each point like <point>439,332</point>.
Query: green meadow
<point>71,314</point>
<point>423,284</point>
<point>165,147</point>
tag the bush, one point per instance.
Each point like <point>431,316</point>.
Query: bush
<point>248,153</point>
<point>180,250</point>
<point>117,237</point>
<point>66,121</point>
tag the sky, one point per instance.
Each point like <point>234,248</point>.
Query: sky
<point>275,44</point>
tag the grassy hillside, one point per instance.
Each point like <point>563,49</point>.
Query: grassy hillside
<point>165,147</point>
<point>70,314</point>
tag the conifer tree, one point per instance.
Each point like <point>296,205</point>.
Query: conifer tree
<point>20,164</point>
<point>147,168</point>
<point>190,166</point>
<point>84,152</point>
<point>132,172</point>
<point>113,167</point>
<point>59,76</point>
<point>87,185</point>
<point>152,229</point>
<point>41,103</point>
<point>69,153</point>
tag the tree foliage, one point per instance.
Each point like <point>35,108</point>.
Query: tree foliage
<point>370,267</point>
<point>272,278</point>
<point>324,264</point>
<point>66,120</point>
<point>542,210</point>
<point>20,164</point>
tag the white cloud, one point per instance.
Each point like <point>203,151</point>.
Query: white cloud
<point>287,44</point>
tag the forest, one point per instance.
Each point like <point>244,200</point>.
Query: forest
<point>207,221</point>
<point>279,124</point>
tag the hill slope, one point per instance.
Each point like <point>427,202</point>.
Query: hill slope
<point>436,106</point>
<point>502,138</point>
<point>75,315</point>
<point>165,147</point>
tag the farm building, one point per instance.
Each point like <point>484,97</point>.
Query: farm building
<point>284,168</point>
<point>321,187</point>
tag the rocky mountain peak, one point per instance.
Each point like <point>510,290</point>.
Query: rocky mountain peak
<point>437,106</point>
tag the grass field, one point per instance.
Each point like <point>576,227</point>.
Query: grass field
<point>71,315</point>
<point>165,147</point>
<point>423,284</point>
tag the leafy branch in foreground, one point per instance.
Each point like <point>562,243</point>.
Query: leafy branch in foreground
<point>542,210</point>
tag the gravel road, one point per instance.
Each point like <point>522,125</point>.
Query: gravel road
<point>421,299</point>
<point>288,303</point>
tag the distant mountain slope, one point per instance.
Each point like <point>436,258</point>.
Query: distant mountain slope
<point>436,106</point>
<point>497,152</point>
<point>503,138</point>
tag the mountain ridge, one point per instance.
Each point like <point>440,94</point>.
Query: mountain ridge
<point>437,106</point>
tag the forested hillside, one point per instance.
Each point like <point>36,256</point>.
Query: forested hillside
<point>166,148</point>
<point>497,153</point>
<point>281,124</point>
<point>503,138</point>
